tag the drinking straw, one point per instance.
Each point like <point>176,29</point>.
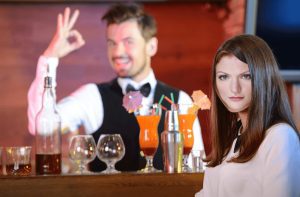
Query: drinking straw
<point>161,99</point>
<point>169,100</point>
<point>164,108</point>
<point>172,97</point>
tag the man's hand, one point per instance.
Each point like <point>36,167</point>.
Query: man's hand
<point>65,39</point>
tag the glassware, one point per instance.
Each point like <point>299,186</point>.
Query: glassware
<point>187,116</point>
<point>18,160</point>
<point>197,156</point>
<point>148,117</point>
<point>82,150</point>
<point>110,150</point>
<point>48,134</point>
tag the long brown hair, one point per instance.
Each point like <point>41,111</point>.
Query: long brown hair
<point>269,103</point>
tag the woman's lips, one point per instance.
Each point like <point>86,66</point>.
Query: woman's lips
<point>236,98</point>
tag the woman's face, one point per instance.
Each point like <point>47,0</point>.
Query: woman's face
<point>233,81</point>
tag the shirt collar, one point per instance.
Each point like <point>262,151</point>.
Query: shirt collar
<point>123,82</point>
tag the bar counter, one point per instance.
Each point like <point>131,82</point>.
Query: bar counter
<point>122,184</point>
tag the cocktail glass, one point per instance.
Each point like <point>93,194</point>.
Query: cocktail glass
<point>187,116</point>
<point>148,117</point>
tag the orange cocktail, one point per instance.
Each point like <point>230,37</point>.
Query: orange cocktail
<point>148,138</point>
<point>148,117</point>
<point>186,122</point>
<point>187,114</point>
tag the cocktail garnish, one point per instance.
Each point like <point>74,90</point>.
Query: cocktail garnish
<point>201,100</point>
<point>132,101</point>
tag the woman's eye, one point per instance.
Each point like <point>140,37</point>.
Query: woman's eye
<point>222,77</point>
<point>246,76</point>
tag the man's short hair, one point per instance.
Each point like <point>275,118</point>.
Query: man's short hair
<point>120,13</point>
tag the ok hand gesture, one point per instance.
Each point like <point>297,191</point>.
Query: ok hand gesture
<point>61,44</point>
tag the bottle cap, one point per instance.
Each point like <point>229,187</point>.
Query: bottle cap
<point>48,82</point>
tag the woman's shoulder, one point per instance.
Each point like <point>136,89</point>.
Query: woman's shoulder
<point>281,129</point>
<point>281,133</point>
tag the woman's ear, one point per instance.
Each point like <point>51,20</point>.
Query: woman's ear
<point>152,46</point>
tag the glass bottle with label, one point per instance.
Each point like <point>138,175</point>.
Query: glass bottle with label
<point>48,134</point>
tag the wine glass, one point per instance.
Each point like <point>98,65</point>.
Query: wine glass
<point>186,115</point>
<point>110,150</point>
<point>148,117</point>
<point>82,150</point>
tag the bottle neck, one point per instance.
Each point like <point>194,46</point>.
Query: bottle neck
<point>49,100</point>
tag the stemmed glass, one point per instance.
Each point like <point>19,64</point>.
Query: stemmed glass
<point>82,150</point>
<point>148,117</point>
<point>187,115</point>
<point>110,150</point>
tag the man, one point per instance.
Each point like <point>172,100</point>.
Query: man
<point>131,43</point>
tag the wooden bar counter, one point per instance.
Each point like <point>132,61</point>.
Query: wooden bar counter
<point>122,184</point>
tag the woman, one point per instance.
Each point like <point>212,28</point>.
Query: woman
<point>255,143</point>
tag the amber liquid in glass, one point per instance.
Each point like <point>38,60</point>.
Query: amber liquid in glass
<point>186,122</point>
<point>48,163</point>
<point>21,169</point>
<point>148,138</point>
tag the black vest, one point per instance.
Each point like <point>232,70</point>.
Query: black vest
<point>117,120</point>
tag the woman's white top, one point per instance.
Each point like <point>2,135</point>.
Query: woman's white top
<point>273,172</point>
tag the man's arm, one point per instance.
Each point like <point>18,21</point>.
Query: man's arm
<point>59,47</point>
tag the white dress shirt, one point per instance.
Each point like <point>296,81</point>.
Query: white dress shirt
<point>273,171</point>
<point>84,106</point>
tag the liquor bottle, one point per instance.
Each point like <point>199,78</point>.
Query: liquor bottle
<point>48,134</point>
<point>172,143</point>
